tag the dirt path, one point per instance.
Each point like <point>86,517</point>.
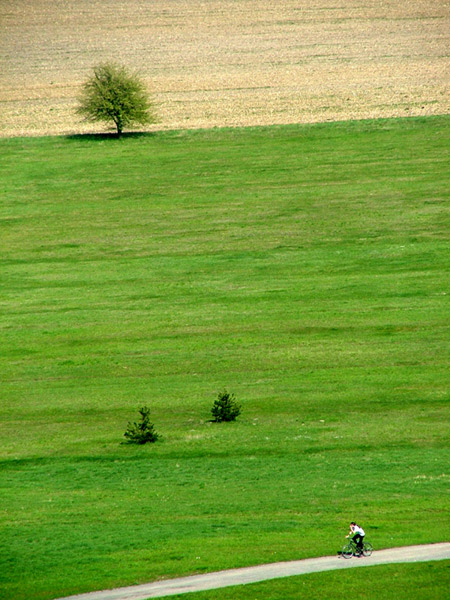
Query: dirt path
<point>196,583</point>
<point>222,63</point>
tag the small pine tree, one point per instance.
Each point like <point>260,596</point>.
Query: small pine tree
<point>225,408</point>
<point>142,432</point>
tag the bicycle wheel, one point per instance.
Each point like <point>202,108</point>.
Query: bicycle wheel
<point>347,551</point>
<point>367,549</point>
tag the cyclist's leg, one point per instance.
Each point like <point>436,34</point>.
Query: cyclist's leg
<point>357,538</point>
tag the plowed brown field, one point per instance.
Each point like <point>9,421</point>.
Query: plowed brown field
<point>236,62</point>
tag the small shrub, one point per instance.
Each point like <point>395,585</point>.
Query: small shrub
<point>225,408</point>
<point>142,432</point>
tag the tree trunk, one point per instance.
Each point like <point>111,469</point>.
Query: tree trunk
<point>119,126</point>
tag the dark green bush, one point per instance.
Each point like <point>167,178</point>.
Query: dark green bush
<point>225,408</point>
<point>142,432</point>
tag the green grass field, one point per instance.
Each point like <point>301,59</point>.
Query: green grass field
<point>304,268</point>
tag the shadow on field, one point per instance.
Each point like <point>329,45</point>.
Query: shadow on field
<point>101,137</point>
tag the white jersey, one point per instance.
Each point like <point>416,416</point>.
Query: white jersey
<point>357,529</point>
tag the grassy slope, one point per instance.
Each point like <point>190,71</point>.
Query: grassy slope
<point>304,268</point>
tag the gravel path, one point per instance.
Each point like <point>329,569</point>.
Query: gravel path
<point>221,579</point>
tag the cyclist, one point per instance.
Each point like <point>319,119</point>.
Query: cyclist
<point>357,534</point>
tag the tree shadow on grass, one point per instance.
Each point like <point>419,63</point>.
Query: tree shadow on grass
<point>101,137</point>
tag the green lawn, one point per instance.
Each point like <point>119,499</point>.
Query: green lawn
<point>304,268</point>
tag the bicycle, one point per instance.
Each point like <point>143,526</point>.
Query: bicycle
<point>351,549</point>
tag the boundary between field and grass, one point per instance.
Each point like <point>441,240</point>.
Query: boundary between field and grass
<point>221,579</point>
